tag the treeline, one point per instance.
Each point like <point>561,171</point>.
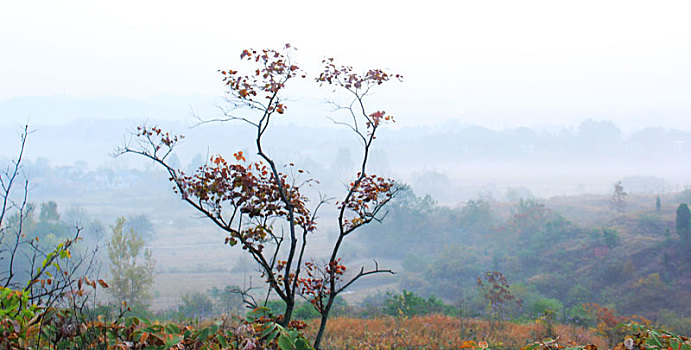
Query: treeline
<point>634,262</point>
<point>590,140</point>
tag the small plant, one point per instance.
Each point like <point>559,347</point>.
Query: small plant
<point>495,289</point>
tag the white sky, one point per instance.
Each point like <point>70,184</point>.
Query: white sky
<point>500,63</point>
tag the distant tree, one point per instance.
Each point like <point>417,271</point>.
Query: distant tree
<point>618,200</point>
<point>433,183</point>
<point>140,224</point>
<point>48,224</point>
<point>599,138</point>
<point>477,212</point>
<point>196,305</point>
<point>496,290</point>
<point>514,194</point>
<point>528,216</point>
<point>408,304</point>
<point>49,212</point>
<point>93,228</point>
<point>658,205</point>
<point>131,266</point>
<point>683,225</point>
<point>227,299</point>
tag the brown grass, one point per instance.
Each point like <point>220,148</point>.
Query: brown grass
<point>439,332</point>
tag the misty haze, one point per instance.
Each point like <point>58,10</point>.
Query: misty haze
<point>460,177</point>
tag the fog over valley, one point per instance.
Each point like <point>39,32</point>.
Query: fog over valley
<point>453,161</point>
<point>345,175</point>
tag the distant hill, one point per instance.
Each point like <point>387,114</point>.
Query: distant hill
<point>452,162</point>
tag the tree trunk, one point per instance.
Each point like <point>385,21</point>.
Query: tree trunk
<point>288,314</point>
<point>320,334</point>
<point>325,318</point>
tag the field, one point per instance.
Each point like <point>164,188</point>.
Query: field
<point>442,332</point>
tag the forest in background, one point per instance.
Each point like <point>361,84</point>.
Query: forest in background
<point>558,253</point>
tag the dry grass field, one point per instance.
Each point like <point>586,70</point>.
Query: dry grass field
<point>441,332</point>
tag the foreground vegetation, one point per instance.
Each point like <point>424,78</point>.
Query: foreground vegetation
<point>22,326</point>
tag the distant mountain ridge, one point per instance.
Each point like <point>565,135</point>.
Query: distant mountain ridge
<point>587,157</point>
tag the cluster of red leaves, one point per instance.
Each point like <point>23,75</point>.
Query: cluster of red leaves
<point>358,84</point>
<point>369,194</point>
<point>275,69</point>
<point>45,281</point>
<point>607,322</point>
<point>79,292</point>
<point>335,268</point>
<point>496,288</point>
<point>259,323</point>
<point>377,117</point>
<point>250,190</point>
<point>280,266</point>
<point>345,77</point>
<point>317,283</point>
<point>606,317</point>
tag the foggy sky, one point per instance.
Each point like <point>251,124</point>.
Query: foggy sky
<point>493,63</point>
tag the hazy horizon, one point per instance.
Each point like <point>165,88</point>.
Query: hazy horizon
<point>500,65</point>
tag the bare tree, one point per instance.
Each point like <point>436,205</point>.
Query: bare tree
<point>49,274</point>
<point>260,205</point>
<point>11,237</point>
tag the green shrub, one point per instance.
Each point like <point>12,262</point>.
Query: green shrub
<point>196,305</point>
<point>578,315</point>
<point>546,305</point>
<point>409,304</point>
<point>305,311</point>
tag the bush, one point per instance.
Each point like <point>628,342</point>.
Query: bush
<point>545,306</point>
<point>579,316</point>
<point>195,305</point>
<point>410,304</point>
<point>305,311</point>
